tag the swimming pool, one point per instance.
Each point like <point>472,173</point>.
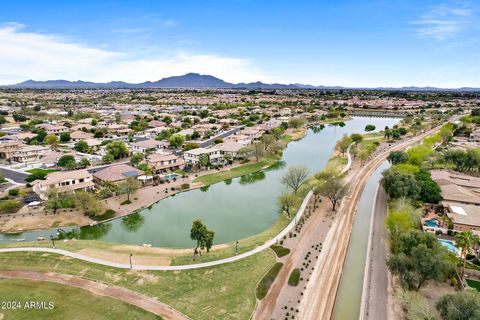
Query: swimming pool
<point>170,176</point>
<point>431,223</point>
<point>449,244</point>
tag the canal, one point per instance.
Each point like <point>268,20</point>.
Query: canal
<point>234,209</point>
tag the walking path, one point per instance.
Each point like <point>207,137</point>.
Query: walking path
<point>375,281</point>
<point>131,297</point>
<point>258,249</point>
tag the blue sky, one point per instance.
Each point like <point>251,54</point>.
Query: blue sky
<point>350,43</point>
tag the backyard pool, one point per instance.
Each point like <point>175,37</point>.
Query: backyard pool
<point>431,223</point>
<point>449,244</point>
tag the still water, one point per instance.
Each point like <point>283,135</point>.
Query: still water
<point>234,209</point>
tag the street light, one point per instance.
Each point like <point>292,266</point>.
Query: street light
<point>131,260</point>
<point>53,241</point>
<point>236,247</point>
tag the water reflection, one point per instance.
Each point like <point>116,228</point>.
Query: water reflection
<point>133,222</point>
<point>204,188</point>
<point>277,166</point>
<point>252,178</point>
<point>318,128</point>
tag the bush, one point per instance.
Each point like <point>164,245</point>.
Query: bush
<point>280,251</point>
<point>125,202</point>
<point>267,280</point>
<point>9,206</point>
<point>185,186</point>
<point>13,192</point>
<point>294,278</point>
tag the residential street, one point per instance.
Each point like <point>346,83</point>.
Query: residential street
<point>375,296</point>
<point>16,176</point>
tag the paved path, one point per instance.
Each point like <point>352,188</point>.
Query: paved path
<point>14,175</point>
<point>349,158</point>
<point>131,297</point>
<point>170,268</point>
<point>375,285</point>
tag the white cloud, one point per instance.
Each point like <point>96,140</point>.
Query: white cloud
<point>27,55</point>
<point>443,21</point>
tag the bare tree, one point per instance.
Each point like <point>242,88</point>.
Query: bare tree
<point>295,177</point>
<point>334,189</point>
<point>129,186</point>
<point>287,201</point>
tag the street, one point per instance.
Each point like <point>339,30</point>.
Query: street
<point>16,176</point>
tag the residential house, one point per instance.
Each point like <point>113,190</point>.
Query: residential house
<point>162,163</point>
<point>230,148</point>
<point>192,157</point>
<point>148,145</point>
<point>30,153</point>
<point>7,149</point>
<point>53,129</point>
<point>64,182</point>
<point>80,135</point>
<point>116,173</point>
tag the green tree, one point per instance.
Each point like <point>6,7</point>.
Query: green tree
<point>81,146</point>
<point>342,144</point>
<point>396,157</point>
<point>399,185</point>
<point>287,201</point>
<point>463,305</point>
<point>87,202</point>
<point>117,149</point>
<point>65,137</point>
<point>129,186</point>
<point>466,240</point>
<point>295,177</point>
<point>136,158</point>
<point>176,141</point>
<point>355,137</point>
<point>333,188</point>
<point>398,223</point>
<point>369,127</point>
<point>66,161</point>
<point>203,237</point>
<point>84,162</point>
<point>430,191</point>
<point>51,140</point>
<point>108,158</point>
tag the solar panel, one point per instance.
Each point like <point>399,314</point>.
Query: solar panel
<point>131,173</point>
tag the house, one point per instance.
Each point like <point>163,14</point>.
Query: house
<point>148,145</point>
<point>116,173</point>
<point>118,129</point>
<point>64,182</point>
<point>53,129</point>
<point>161,163</point>
<point>464,217</point>
<point>192,157</point>
<point>30,153</point>
<point>80,135</point>
<point>51,159</point>
<point>230,148</point>
<point>7,149</point>
<point>458,187</point>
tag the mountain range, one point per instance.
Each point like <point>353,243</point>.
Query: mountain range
<point>198,81</point>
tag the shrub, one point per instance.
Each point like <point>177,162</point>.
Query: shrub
<point>185,186</point>
<point>9,206</point>
<point>267,280</point>
<point>280,251</point>
<point>13,192</point>
<point>294,278</point>
<point>125,202</point>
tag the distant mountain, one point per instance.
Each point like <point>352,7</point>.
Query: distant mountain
<point>195,80</point>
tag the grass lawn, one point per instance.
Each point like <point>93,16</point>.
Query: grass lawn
<point>294,278</point>
<point>474,284</point>
<point>221,292</point>
<point>280,251</point>
<point>40,171</point>
<point>212,178</point>
<point>267,280</point>
<point>69,302</point>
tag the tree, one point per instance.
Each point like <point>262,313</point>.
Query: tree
<point>202,236</point>
<point>355,137</point>
<point>466,240</point>
<point>342,144</point>
<point>203,160</point>
<point>430,191</point>
<point>420,257</point>
<point>296,122</point>
<point>81,146</point>
<point>66,161</point>
<point>398,223</point>
<point>54,201</point>
<point>108,158</point>
<point>176,141</point>
<point>333,188</point>
<point>287,201</point>
<point>295,177</point>
<point>268,142</point>
<point>65,137</point>
<point>190,146</point>
<point>129,186</point>
<point>396,157</point>
<point>369,127</point>
<point>258,150</point>
<point>87,203</point>
<point>117,149</point>
<point>136,158</point>
<point>51,140</point>
<point>398,185</point>
<point>463,305</point>
<point>84,162</point>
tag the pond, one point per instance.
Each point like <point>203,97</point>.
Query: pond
<point>234,209</point>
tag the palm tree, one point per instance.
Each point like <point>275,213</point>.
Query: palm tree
<point>466,240</point>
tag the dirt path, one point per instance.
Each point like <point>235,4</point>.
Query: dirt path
<point>101,289</point>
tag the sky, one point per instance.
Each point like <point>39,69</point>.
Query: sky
<point>349,43</point>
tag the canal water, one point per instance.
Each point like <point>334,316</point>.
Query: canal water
<point>349,294</point>
<point>234,209</point>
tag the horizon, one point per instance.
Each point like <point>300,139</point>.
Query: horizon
<point>347,44</point>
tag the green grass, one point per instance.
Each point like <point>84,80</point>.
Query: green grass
<point>40,171</point>
<point>280,251</point>
<point>267,280</point>
<point>68,302</point>
<point>212,178</point>
<point>294,278</point>
<point>221,292</point>
<point>474,284</point>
